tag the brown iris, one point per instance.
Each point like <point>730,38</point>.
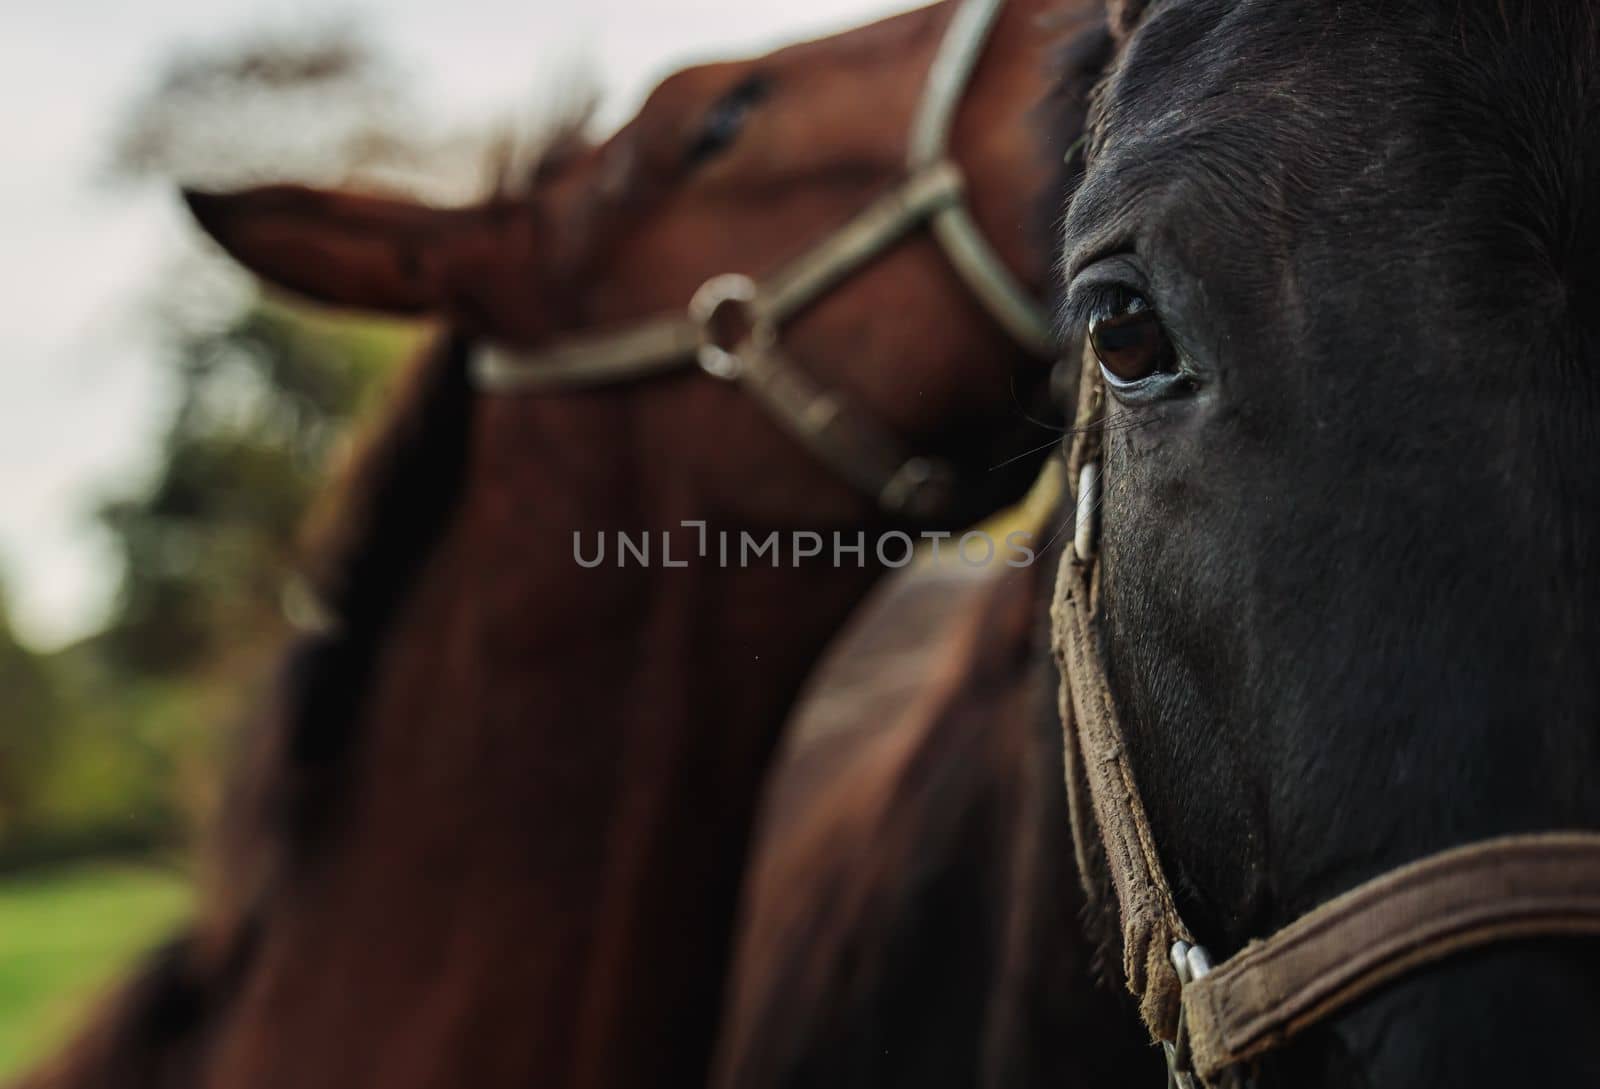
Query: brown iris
<point>1132,345</point>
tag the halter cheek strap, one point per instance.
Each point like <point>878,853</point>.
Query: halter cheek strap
<point>1105,800</point>
<point>1214,1020</point>
<point>837,432</point>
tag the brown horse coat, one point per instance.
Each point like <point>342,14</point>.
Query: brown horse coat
<point>911,916</point>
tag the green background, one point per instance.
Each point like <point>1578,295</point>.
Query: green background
<point>64,935</point>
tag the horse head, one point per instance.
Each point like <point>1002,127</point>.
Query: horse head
<point>1336,262</point>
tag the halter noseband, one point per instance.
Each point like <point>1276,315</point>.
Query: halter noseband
<point>1214,1019</point>
<point>840,434</point>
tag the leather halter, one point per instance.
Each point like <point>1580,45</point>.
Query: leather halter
<point>840,434</point>
<point>1213,1020</point>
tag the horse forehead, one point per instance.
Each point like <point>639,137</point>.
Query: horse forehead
<point>1495,78</point>
<point>1197,69</point>
<point>682,92</point>
<point>1312,114</point>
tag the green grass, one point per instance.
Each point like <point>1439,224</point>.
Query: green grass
<point>64,935</point>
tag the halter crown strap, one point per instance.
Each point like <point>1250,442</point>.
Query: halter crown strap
<point>836,433</point>
<point>1213,1020</point>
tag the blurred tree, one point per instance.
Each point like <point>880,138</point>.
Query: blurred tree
<point>262,403</point>
<point>318,105</point>
<point>29,720</point>
<point>302,104</point>
<point>112,743</point>
<point>262,392</point>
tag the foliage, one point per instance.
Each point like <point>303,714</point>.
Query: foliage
<point>316,105</point>
<point>306,103</point>
<point>112,744</point>
<point>263,403</point>
<point>27,741</point>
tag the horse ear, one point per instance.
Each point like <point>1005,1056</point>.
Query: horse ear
<point>1123,16</point>
<point>365,252</point>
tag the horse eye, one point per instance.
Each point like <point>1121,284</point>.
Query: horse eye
<point>722,124</point>
<point>1130,343</point>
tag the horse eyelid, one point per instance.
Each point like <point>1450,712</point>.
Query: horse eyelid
<point>1098,282</point>
<point>1085,300</point>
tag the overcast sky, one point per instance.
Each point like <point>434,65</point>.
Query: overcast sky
<point>81,401</point>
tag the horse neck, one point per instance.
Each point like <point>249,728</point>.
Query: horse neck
<point>586,747</point>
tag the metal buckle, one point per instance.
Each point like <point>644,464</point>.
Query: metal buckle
<point>731,295</point>
<point>1191,962</point>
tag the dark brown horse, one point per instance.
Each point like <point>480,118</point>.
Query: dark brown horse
<point>1334,638</point>
<point>494,833</point>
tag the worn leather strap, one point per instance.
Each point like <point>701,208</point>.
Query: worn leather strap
<point>1499,890</point>
<point>1525,886</point>
<point>1150,921</point>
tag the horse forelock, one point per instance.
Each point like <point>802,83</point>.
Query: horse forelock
<point>527,155</point>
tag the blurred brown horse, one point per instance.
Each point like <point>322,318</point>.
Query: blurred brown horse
<point>493,834</point>
<point>913,914</point>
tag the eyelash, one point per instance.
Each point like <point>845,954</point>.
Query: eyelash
<point>1086,302</point>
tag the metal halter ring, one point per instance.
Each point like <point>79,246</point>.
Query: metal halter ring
<point>1190,962</point>
<point>720,299</point>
